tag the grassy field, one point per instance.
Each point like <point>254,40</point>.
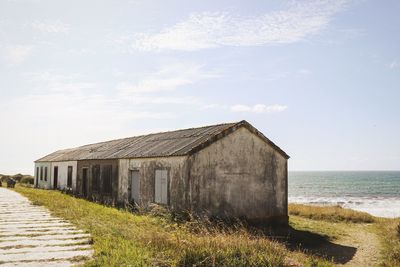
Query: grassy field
<point>121,238</point>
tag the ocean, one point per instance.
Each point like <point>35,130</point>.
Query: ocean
<point>375,192</point>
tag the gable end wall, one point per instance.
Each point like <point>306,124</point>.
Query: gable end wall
<point>241,176</point>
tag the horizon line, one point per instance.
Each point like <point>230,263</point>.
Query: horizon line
<point>366,170</point>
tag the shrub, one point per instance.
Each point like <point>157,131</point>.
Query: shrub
<point>27,180</point>
<point>4,178</point>
<point>18,177</point>
<point>158,211</point>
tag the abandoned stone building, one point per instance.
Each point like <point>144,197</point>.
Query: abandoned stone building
<point>226,170</point>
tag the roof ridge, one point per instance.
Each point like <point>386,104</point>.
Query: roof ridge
<point>164,132</point>
<point>119,141</point>
<point>210,135</point>
<point>160,144</point>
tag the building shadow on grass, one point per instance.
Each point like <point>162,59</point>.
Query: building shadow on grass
<point>295,240</point>
<point>315,244</point>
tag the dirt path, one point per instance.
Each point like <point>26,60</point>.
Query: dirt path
<point>30,236</point>
<point>350,244</point>
<point>367,243</point>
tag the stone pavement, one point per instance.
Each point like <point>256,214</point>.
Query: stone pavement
<point>30,236</point>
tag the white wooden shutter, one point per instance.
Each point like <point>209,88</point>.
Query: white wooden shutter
<point>164,187</point>
<point>161,187</point>
<point>135,185</point>
<point>158,186</point>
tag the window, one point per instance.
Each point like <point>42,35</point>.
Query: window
<point>161,187</point>
<point>106,178</point>
<point>69,178</point>
<point>41,173</point>
<point>37,172</point>
<point>45,174</point>
<point>95,177</point>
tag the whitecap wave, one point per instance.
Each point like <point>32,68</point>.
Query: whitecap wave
<point>377,206</point>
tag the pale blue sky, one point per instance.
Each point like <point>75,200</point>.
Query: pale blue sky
<point>319,78</point>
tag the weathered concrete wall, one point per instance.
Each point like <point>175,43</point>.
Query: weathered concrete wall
<point>239,176</point>
<point>98,195</point>
<point>177,179</point>
<point>63,174</point>
<point>42,183</point>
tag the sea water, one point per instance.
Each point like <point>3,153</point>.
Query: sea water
<point>375,192</point>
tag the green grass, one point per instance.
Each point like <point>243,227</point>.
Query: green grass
<point>329,230</point>
<point>330,214</point>
<point>121,238</point>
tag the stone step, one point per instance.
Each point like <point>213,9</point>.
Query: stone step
<point>52,242</point>
<point>59,236</point>
<point>43,249</point>
<point>49,255</point>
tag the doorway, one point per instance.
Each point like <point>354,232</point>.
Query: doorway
<point>135,186</point>
<point>37,177</point>
<point>55,175</point>
<point>84,181</point>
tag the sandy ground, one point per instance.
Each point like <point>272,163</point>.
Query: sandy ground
<point>367,244</point>
<point>31,236</point>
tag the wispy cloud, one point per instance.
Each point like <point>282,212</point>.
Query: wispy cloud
<point>160,100</point>
<point>259,108</point>
<point>82,118</point>
<point>214,106</point>
<point>304,72</point>
<point>209,30</point>
<point>394,65</point>
<point>154,85</point>
<point>15,54</point>
<point>51,26</point>
<point>59,91</point>
<point>59,100</point>
<point>168,78</point>
<point>51,76</point>
<point>51,81</point>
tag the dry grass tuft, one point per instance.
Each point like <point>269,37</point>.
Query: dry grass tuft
<point>390,237</point>
<point>330,213</point>
<point>398,229</point>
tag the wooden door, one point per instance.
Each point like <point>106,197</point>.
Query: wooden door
<point>85,182</point>
<point>55,177</point>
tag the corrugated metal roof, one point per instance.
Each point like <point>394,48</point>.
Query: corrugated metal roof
<point>175,143</point>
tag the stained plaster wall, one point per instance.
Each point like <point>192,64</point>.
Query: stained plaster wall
<point>241,176</point>
<point>177,179</point>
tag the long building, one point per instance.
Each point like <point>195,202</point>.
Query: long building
<point>226,170</point>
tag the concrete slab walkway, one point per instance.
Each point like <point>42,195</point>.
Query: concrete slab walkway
<point>31,236</point>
